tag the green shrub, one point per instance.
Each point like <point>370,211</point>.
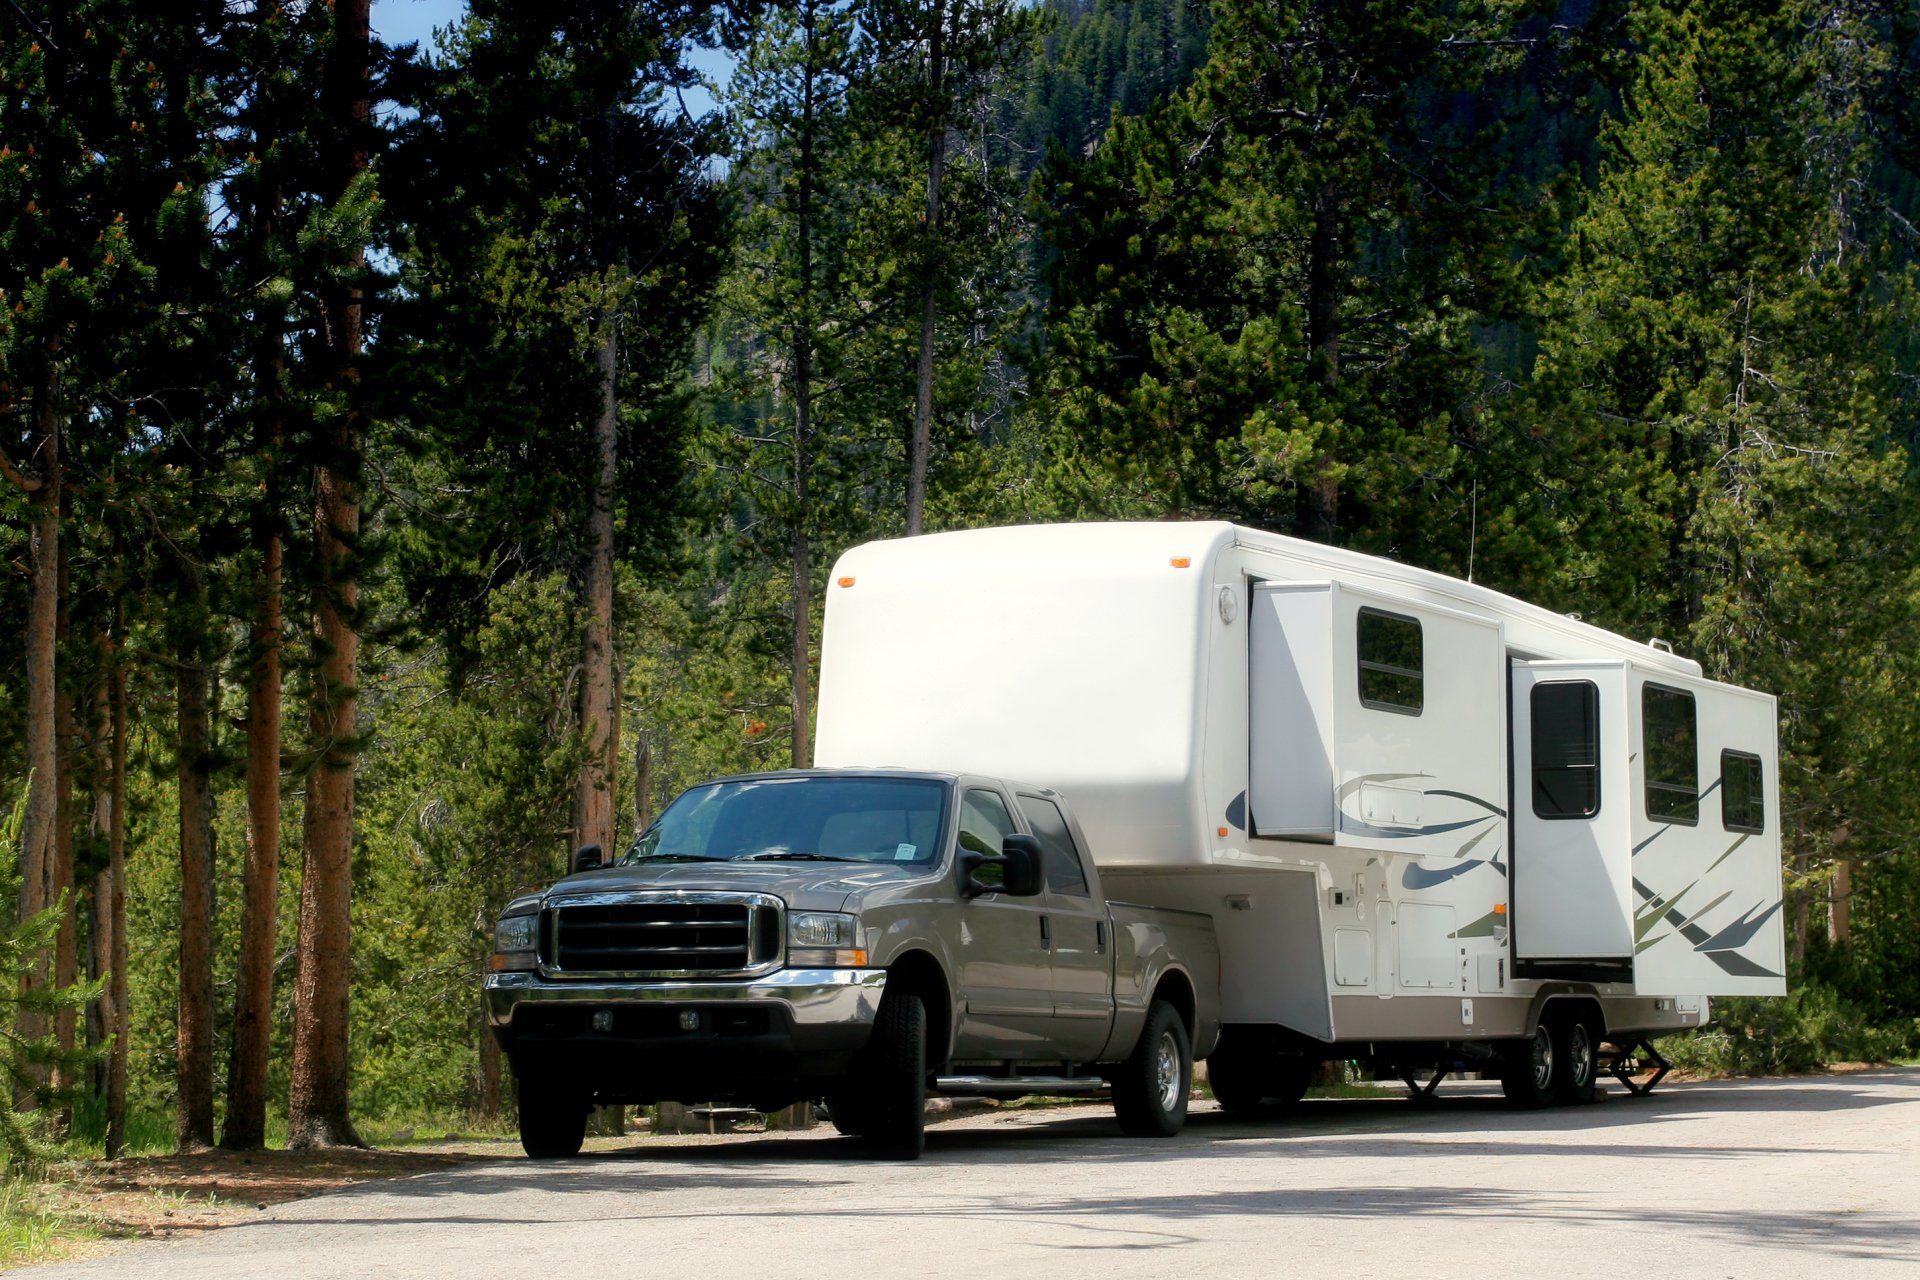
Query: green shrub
<point>1812,1028</point>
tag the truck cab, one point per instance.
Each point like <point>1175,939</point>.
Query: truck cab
<point>857,936</point>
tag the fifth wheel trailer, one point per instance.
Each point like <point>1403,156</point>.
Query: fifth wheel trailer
<point>1436,827</point>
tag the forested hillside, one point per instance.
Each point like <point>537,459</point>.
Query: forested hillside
<point>421,461</point>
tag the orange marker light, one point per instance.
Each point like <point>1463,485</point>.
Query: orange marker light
<point>846,582</point>
<point>1180,562</point>
<point>1499,908</point>
<point>1223,831</point>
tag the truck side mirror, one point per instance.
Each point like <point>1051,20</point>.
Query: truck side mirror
<point>587,857</point>
<point>1020,862</point>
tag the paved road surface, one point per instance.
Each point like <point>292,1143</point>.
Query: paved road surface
<point>1810,1176</point>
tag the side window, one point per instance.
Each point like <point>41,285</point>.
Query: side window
<point>1743,805</point>
<point>1670,742</point>
<point>984,826</point>
<point>1057,851</point>
<point>1566,749</point>
<point>1390,649</point>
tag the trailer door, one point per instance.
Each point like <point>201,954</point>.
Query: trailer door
<point>1570,874</point>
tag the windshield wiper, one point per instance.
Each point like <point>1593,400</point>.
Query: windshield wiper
<point>675,857</point>
<point>775,855</point>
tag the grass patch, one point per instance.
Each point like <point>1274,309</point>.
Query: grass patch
<point>29,1232</point>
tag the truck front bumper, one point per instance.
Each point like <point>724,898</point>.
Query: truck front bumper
<point>668,1036</point>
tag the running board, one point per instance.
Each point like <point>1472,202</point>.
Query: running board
<point>980,1086</point>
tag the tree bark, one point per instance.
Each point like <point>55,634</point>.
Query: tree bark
<point>193,765</point>
<point>593,800</point>
<point>100,825</point>
<point>117,897</point>
<point>937,106</point>
<point>318,1112</point>
<point>60,882</point>
<point>246,1126</point>
<point>38,835</point>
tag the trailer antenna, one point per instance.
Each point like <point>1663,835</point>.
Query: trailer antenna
<point>1473,526</point>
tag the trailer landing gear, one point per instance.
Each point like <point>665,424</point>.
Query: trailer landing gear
<point>1624,1058</point>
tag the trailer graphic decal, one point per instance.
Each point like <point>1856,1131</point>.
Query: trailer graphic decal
<point>1721,947</point>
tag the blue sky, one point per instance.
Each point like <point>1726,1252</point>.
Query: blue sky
<point>400,21</point>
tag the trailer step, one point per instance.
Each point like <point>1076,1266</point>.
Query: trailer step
<point>989,1086</point>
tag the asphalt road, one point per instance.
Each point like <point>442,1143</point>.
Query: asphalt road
<point>1807,1176</point>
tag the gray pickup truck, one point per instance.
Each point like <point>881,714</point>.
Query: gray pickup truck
<point>861,937</point>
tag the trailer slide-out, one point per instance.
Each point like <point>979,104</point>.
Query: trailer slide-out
<point>1437,828</point>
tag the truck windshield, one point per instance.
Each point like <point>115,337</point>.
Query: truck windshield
<point>882,820</point>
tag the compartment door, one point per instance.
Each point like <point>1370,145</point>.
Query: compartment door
<point>1571,878</point>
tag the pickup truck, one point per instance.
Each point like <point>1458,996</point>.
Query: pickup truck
<point>860,937</point>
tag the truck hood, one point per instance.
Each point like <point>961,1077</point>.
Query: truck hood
<point>803,886</point>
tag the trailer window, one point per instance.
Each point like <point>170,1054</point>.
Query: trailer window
<point>1670,743</point>
<point>1389,645</point>
<point>1057,852</point>
<point>985,825</point>
<point>1566,749</point>
<point>1742,803</point>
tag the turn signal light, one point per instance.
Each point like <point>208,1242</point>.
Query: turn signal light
<point>846,582</point>
<point>1180,562</point>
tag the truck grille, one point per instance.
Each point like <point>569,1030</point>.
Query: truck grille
<point>663,934</point>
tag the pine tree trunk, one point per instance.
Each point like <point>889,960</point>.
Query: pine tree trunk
<point>66,960</point>
<point>802,592</point>
<point>642,784</point>
<point>246,1122</point>
<point>117,898</point>
<point>100,825</point>
<point>593,800</point>
<point>317,1098</point>
<point>922,449</point>
<point>193,762</point>
<point>38,836</point>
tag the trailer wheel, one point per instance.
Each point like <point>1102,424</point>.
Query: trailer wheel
<point>1248,1085</point>
<point>890,1078</point>
<point>1577,1046</point>
<point>846,1113</point>
<point>1151,1087</point>
<point>553,1117</point>
<point>1532,1074</point>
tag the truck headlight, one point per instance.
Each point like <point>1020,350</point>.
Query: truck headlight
<point>824,939</point>
<point>516,941</point>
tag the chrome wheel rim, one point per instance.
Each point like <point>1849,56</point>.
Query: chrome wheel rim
<point>1166,1072</point>
<point>1579,1055</point>
<point>1542,1057</point>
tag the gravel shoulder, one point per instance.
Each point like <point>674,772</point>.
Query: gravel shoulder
<point>1803,1176</point>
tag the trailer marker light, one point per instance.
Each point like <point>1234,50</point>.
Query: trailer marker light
<point>1499,908</point>
<point>1180,562</point>
<point>1222,831</point>
<point>846,582</point>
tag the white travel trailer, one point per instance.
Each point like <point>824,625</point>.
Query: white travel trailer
<point>1437,828</point>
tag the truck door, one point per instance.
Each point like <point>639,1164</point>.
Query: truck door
<point>1005,976</point>
<point>1570,876</point>
<point>1077,927</point>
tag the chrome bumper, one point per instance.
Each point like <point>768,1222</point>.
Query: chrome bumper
<point>812,998</point>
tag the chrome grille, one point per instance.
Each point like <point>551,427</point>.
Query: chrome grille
<point>662,934</point>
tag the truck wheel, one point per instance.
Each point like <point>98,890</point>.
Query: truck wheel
<point>1577,1045</point>
<point>891,1079</point>
<point>844,1110</point>
<point>553,1118</point>
<point>1250,1085</point>
<point>1532,1074</point>
<point>1150,1089</point>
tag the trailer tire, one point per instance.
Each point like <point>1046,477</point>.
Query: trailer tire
<point>1250,1085</point>
<point>890,1077</point>
<point>553,1117</point>
<point>845,1112</point>
<point>1151,1088</point>
<point>1531,1076</point>
<point>1577,1048</point>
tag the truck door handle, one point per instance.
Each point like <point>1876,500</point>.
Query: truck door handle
<point>1046,933</point>
<point>1099,936</point>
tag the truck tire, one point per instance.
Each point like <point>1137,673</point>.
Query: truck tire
<point>1251,1084</point>
<point>891,1079</point>
<point>1577,1047</point>
<point>553,1117</point>
<point>1150,1089</point>
<point>1531,1077</point>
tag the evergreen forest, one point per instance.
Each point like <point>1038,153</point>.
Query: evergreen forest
<point>421,460</point>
